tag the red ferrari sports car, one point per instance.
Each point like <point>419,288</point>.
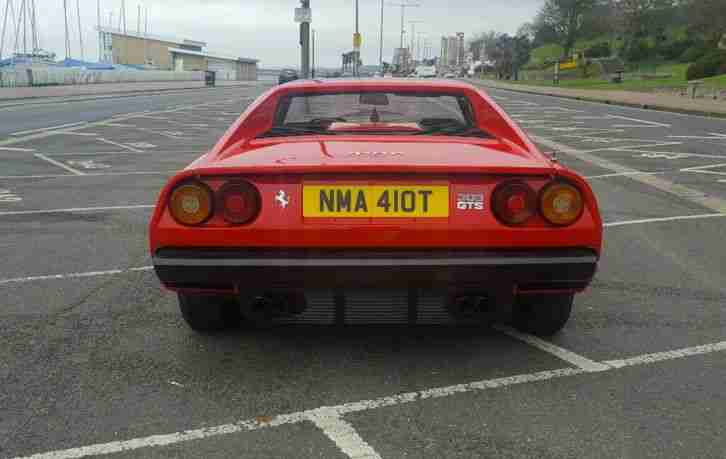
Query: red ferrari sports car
<point>339,185</point>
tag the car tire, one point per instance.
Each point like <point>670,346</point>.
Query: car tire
<point>542,315</point>
<point>209,312</point>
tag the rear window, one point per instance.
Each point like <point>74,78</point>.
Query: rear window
<point>388,108</point>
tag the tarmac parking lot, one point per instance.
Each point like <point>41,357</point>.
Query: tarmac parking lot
<point>97,362</point>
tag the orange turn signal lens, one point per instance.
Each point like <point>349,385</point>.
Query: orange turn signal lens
<point>191,203</point>
<point>561,203</point>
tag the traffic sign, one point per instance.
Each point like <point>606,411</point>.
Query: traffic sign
<point>357,40</point>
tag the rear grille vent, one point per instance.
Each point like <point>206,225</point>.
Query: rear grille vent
<point>371,306</point>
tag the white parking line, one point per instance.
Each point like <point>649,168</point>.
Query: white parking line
<point>81,134</point>
<point>364,405</point>
<point>45,129</point>
<point>637,120</point>
<point>667,355</point>
<point>75,209</point>
<point>110,272</point>
<point>59,164</point>
<point>579,361</point>
<point>622,174</point>
<point>24,150</point>
<point>93,174</point>
<point>662,219</point>
<point>111,142</point>
<point>601,105</point>
<point>344,435</point>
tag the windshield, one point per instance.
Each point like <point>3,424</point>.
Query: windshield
<point>375,112</point>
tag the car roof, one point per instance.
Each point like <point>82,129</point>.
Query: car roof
<point>387,83</point>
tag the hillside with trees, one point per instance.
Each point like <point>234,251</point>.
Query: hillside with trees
<point>669,40</point>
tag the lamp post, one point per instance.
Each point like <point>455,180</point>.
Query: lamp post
<point>305,43</point>
<point>313,55</point>
<point>356,43</point>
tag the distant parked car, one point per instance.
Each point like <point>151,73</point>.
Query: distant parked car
<point>449,75</point>
<point>288,75</point>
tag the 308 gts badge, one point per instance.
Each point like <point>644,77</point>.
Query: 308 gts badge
<point>282,198</point>
<point>470,201</point>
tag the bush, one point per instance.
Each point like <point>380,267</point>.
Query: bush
<point>694,53</point>
<point>598,50</point>
<point>638,50</point>
<point>712,64</point>
<point>674,50</point>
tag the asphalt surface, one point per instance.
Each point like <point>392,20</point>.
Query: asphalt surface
<point>21,116</point>
<point>95,354</point>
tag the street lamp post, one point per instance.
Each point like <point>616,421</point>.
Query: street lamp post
<point>356,70</point>
<point>403,6</point>
<point>305,43</point>
<point>380,43</point>
<point>413,38</point>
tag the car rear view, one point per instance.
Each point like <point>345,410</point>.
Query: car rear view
<point>377,186</point>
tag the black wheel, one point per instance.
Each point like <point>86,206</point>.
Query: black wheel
<point>542,315</point>
<point>209,312</point>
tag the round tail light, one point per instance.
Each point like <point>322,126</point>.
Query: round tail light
<point>513,203</point>
<point>191,203</point>
<point>239,202</point>
<point>561,203</point>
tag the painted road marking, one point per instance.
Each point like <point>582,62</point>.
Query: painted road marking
<point>663,156</point>
<point>25,150</point>
<point>9,196</point>
<point>577,360</point>
<point>663,219</point>
<point>706,169</point>
<point>344,435</point>
<point>119,125</point>
<point>111,142</point>
<point>642,144</point>
<point>713,136</point>
<point>82,134</point>
<point>667,355</point>
<point>87,174</point>
<point>622,174</point>
<point>601,105</point>
<point>89,164</point>
<point>316,414</point>
<point>142,145</point>
<point>695,196</point>
<point>75,209</point>
<point>121,117</point>
<point>58,163</point>
<point>199,151</point>
<point>46,129</point>
<point>110,272</point>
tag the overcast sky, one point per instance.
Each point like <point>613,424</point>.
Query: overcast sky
<point>264,29</point>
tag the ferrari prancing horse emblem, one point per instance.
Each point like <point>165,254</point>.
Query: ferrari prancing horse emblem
<point>282,198</point>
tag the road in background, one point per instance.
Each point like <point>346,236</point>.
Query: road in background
<point>95,353</point>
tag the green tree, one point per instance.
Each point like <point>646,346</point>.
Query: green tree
<point>566,18</point>
<point>708,18</point>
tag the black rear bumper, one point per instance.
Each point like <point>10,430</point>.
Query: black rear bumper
<point>522,270</point>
